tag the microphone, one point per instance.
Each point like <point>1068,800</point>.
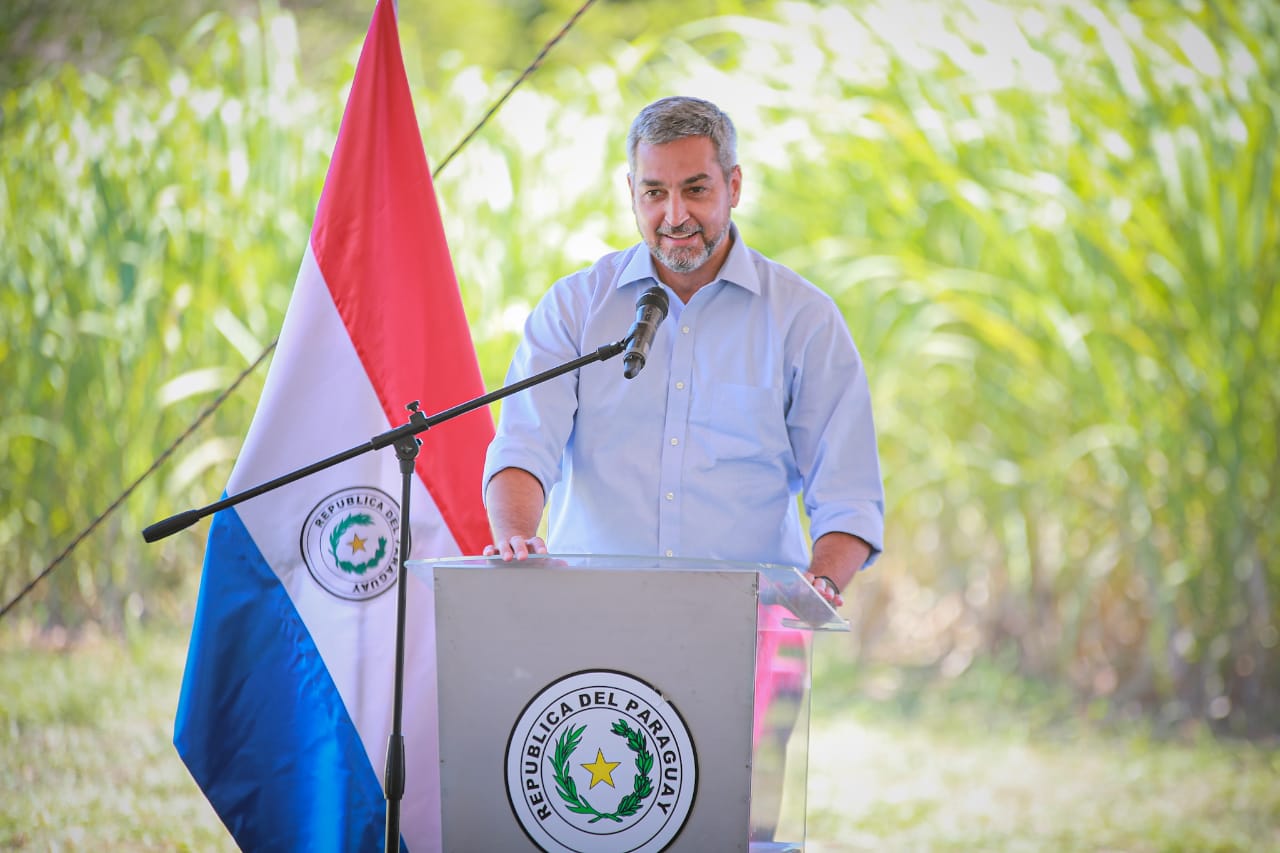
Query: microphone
<point>651,310</point>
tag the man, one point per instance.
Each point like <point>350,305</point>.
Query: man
<point>752,393</point>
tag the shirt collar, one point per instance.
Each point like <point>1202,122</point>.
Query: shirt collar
<point>737,269</point>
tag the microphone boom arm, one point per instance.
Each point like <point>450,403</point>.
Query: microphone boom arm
<point>418,422</point>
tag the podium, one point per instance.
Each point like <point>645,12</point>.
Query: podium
<point>620,703</point>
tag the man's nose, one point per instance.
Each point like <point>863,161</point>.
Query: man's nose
<point>676,213</point>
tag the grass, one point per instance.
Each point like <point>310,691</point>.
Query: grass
<point>994,763</point>
<point>86,761</point>
<point>983,762</point>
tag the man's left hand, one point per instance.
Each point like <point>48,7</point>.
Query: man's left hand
<point>826,588</point>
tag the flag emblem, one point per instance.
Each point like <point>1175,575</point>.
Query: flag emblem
<point>600,761</point>
<point>351,543</point>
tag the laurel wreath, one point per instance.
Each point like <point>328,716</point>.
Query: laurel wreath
<point>345,525</point>
<point>641,786</point>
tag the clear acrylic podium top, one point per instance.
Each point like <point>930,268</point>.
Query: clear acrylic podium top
<point>780,585</point>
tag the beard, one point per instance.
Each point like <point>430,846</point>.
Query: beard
<point>688,258</point>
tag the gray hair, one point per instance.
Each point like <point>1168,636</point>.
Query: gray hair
<point>679,117</point>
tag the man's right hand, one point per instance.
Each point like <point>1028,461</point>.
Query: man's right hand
<point>515,500</point>
<point>516,548</point>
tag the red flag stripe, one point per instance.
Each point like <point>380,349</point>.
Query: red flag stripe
<point>379,242</point>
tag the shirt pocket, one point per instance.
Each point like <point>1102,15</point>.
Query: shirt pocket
<point>738,423</point>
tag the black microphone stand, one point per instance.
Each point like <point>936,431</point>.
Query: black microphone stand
<point>404,439</point>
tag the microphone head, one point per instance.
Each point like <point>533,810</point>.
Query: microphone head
<point>655,297</point>
<point>651,310</point>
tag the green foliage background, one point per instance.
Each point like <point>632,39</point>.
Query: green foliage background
<point>1051,227</point>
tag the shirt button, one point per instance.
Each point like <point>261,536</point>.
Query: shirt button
<point>668,552</point>
<point>671,496</point>
<point>679,386</point>
<point>674,442</point>
<point>684,330</point>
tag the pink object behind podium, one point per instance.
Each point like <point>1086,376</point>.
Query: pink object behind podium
<point>781,653</point>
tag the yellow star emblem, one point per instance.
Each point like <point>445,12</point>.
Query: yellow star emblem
<point>601,770</point>
<point>357,544</point>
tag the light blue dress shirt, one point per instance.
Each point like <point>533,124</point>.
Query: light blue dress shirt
<point>752,393</point>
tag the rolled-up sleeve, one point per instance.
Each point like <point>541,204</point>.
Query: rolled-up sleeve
<point>536,422</point>
<point>832,430</point>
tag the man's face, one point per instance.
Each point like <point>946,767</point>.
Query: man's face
<point>682,202</point>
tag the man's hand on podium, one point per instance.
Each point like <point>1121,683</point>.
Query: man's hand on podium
<point>515,501</point>
<point>516,548</point>
<point>837,558</point>
<point>826,588</point>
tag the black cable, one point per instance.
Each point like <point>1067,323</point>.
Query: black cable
<point>221,398</point>
<point>160,460</point>
<point>533,66</point>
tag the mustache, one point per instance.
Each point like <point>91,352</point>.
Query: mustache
<point>680,232</point>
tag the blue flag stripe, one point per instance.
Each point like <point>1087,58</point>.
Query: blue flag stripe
<point>261,705</point>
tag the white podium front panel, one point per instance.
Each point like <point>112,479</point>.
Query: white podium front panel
<point>606,704</point>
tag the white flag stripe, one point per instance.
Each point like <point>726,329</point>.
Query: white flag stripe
<point>318,401</point>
